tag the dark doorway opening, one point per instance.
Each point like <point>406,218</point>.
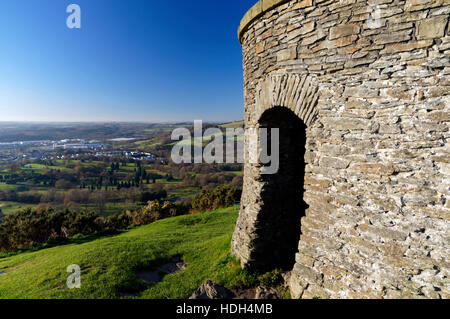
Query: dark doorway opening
<point>282,204</point>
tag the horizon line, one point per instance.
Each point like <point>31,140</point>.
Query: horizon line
<point>114,122</point>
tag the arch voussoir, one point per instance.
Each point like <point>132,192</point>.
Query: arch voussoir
<point>297,92</point>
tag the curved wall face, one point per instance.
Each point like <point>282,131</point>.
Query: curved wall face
<point>370,80</point>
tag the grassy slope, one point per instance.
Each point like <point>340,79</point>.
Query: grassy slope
<point>11,207</point>
<point>108,264</point>
<point>236,124</point>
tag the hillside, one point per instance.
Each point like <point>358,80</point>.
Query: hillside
<point>109,264</point>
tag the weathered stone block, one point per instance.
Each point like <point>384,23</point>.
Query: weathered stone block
<point>342,42</point>
<point>303,4</point>
<point>288,54</point>
<point>414,5</point>
<point>374,168</point>
<point>260,47</point>
<point>340,4</point>
<point>344,30</point>
<point>393,37</point>
<point>402,47</point>
<point>334,162</point>
<point>432,28</point>
<point>300,31</point>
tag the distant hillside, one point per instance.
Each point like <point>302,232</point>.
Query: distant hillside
<point>10,132</point>
<point>102,131</point>
<point>236,124</point>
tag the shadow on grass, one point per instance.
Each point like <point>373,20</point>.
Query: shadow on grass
<point>61,241</point>
<point>150,274</point>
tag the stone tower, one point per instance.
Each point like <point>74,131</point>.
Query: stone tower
<point>360,90</point>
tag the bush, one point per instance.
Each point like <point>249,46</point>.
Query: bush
<point>222,196</point>
<point>118,221</point>
<point>154,211</point>
<point>80,223</point>
<point>150,196</point>
<point>271,279</point>
<point>27,228</point>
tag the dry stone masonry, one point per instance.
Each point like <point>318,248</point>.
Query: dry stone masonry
<point>360,90</point>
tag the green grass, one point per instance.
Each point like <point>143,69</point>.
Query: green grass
<point>108,210</point>
<point>187,192</point>
<point>108,264</point>
<point>4,186</point>
<point>238,173</point>
<point>40,168</point>
<point>237,124</point>
<point>11,207</point>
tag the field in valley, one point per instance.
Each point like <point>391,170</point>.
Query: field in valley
<point>29,183</point>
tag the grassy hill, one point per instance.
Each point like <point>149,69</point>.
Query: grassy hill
<point>109,264</point>
<point>237,124</point>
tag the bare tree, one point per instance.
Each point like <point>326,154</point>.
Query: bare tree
<point>98,197</point>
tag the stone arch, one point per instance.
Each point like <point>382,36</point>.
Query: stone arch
<point>297,92</point>
<point>266,237</point>
<point>274,216</point>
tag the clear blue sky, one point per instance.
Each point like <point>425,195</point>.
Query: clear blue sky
<point>132,60</point>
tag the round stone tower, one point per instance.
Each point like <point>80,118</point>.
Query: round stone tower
<point>360,92</point>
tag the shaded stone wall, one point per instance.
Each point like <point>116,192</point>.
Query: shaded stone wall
<point>370,79</point>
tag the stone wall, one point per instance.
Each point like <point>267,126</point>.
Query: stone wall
<point>370,79</point>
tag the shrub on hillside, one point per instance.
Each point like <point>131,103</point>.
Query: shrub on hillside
<point>155,211</point>
<point>150,196</point>
<point>222,196</point>
<point>27,228</point>
<point>117,221</point>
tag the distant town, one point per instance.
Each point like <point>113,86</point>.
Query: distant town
<point>51,150</point>
<point>102,168</point>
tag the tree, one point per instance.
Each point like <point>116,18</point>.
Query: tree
<point>42,207</point>
<point>237,181</point>
<point>63,184</point>
<point>98,197</point>
<point>80,197</point>
<point>158,187</point>
<point>52,196</point>
<point>14,167</point>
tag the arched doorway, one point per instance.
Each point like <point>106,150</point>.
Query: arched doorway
<point>282,208</point>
